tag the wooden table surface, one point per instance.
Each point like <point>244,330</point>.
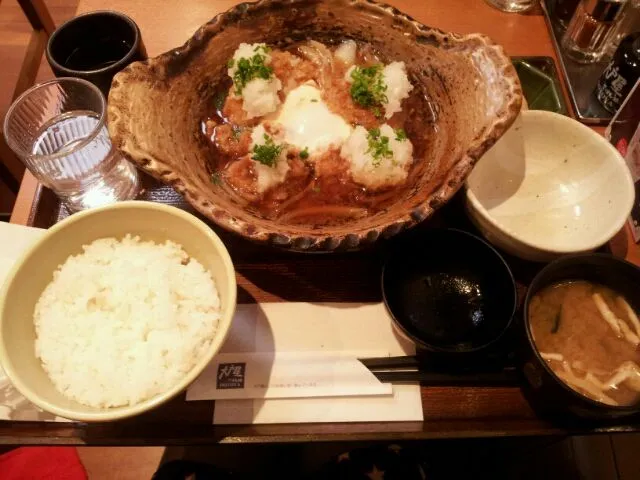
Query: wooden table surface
<point>448,412</point>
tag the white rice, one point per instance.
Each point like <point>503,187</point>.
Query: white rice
<point>125,321</point>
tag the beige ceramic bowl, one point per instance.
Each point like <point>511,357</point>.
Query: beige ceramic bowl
<point>33,271</point>
<point>550,186</point>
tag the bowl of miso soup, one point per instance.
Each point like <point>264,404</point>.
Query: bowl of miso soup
<point>583,329</point>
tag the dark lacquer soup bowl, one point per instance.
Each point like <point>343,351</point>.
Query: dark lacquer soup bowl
<point>470,92</point>
<point>448,291</point>
<point>546,391</point>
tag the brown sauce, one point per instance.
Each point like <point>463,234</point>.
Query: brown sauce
<point>323,192</point>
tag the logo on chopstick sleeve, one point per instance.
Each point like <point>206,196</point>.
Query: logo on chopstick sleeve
<point>231,375</point>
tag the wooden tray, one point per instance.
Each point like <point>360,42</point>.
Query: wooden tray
<point>267,275</point>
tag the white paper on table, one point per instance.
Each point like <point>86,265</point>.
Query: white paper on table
<point>232,376</point>
<point>403,406</point>
<point>14,240</point>
<point>298,327</point>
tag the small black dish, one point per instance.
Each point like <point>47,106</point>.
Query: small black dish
<point>546,392</point>
<point>448,291</point>
<point>95,46</point>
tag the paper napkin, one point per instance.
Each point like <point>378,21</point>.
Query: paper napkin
<point>286,375</point>
<point>14,240</point>
<point>306,327</point>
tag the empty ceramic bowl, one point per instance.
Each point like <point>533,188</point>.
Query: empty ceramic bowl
<point>448,291</point>
<point>551,186</point>
<point>471,87</point>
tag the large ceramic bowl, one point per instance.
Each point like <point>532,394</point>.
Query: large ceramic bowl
<point>550,187</point>
<point>155,109</point>
<point>33,272</point>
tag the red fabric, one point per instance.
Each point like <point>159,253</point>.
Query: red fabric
<point>42,463</point>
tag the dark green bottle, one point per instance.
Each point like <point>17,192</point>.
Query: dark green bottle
<point>621,74</point>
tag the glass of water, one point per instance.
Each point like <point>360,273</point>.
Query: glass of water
<point>513,5</point>
<point>58,130</point>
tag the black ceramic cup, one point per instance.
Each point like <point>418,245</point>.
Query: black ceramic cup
<point>547,393</point>
<point>448,291</point>
<point>95,46</point>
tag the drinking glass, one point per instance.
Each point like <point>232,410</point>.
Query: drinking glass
<point>58,130</point>
<point>512,5</point>
<point>585,37</point>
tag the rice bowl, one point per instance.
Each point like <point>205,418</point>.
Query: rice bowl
<point>34,271</point>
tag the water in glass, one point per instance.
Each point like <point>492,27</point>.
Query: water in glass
<point>58,130</point>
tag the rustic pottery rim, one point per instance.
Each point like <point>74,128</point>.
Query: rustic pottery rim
<point>322,240</point>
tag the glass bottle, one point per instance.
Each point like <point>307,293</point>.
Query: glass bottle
<point>620,75</point>
<point>593,19</point>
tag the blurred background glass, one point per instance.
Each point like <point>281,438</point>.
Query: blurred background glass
<point>562,11</point>
<point>589,28</point>
<point>513,5</point>
<point>627,23</point>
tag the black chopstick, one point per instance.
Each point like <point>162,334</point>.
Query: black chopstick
<point>386,363</point>
<point>506,377</point>
<point>405,369</point>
